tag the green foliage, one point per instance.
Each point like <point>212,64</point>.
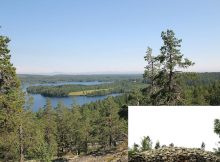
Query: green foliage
<point>94,90</point>
<point>217,131</point>
<point>146,143</point>
<point>165,84</point>
<point>134,150</point>
<point>63,120</point>
<point>80,129</point>
<point>50,129</point>
<point>123,112</point>
<point>11,106</point>
<point>215,94</point>
<point>111,128</point>
<point>171,58</point>
<point>217,126</point>
<point>157,145</point>
<point>151,71</point>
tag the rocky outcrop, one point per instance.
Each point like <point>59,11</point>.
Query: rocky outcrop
<point>175,154</point>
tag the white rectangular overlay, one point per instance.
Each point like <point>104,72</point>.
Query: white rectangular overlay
<point>184,126</point>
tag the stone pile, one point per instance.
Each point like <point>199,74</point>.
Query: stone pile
<point>175,154</point>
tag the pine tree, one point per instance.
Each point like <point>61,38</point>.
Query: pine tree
<point>110,127</point>
<point>151,70</point>
<point>146,143</point>
<point>11,107</point>
<point>135,148</point>
<point>217,126</point>
<point>203,146</point>
<point>33,136</point>
<point>123,112</point>
<point>171,145</point>
<point>157,145</point>
<point>135,97</point>
<point>50,130</point>
<point>171,60</point>
<point>63,117</point>
<point>217,131</point>
<point>75,133</point>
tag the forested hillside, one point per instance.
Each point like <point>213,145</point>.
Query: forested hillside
<point>98,127</point>
<point>53,132</point>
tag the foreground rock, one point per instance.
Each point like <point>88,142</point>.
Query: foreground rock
<point>121,156</point>
<point>175,154</point>
<point>118,154</point>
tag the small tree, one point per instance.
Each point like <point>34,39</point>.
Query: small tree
<point>146,144</point>
<point>157,145</point>
<point>171,145</point>
<point>135,147</point>
<point>217,131</point>
<point>217,126</point>
<point>203,146</point>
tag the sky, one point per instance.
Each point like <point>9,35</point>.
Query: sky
<point>84,36</point>
<point>184,127</point>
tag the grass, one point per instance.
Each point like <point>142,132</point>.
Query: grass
<point>83,93</point>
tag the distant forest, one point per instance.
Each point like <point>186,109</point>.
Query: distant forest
<point>204,77</point>
<point>194,88</point>
<point>86,90</point>
<point>40,79</point>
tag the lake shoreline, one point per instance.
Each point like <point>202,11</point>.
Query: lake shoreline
<point>69,101</point>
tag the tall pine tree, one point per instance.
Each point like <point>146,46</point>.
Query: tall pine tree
<point>11,107</point>
<point>172,61</point>
<point>151,70</point>
<point>50,131</point>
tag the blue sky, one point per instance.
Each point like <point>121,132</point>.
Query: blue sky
<point>110,36</point>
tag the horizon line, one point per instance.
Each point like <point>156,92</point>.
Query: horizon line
<point>104,73</point>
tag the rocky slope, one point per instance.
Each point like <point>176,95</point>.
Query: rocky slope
<point>175,154</point>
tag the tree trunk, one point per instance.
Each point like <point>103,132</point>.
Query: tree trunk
<point>170,81</point>
<point>21,144</point>
<point>110,140</point>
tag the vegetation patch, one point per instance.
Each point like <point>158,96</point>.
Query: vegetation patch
<point>87,92</point>
<point>92,90</point>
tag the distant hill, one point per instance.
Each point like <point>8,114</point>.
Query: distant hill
<point>29,78</point>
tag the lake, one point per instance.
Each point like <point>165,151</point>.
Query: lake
<point>40,101</point>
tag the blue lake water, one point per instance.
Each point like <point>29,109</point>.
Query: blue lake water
<point>39,100</point>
